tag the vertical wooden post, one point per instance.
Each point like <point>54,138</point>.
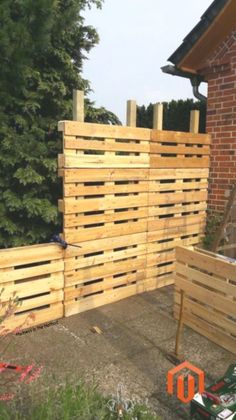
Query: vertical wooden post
<point>78,105</point>
<point>194,121</point>
<point>180,324</point>
<point>158,116</point>
<point>131,114</point>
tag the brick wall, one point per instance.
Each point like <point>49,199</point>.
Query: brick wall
<point>220,72</point>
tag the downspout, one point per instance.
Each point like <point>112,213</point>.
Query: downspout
<point>195,80</point>
<point>195,84</point>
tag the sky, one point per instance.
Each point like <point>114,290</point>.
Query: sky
<point>136,39</point>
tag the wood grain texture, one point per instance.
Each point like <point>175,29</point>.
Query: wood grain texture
<point>209,283</point>
<point>35,276</point>
<point>130,196</point>
<point>74,128</point>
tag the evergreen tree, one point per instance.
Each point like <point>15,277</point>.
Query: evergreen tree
<point>42,46</point>
<point>176,115</point>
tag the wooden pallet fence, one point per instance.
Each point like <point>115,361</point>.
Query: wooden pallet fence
<point>178,182</point>
<point>127,203</point>
<point>209,283</point>
<point>34,275</point>
<point>105,171</point>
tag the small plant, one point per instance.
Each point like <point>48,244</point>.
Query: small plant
<point>9,374</point>
<point>213,222</point>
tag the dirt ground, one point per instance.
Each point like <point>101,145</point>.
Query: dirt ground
<point>130,353</point>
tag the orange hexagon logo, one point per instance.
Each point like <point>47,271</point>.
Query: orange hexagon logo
<point>183,380</point>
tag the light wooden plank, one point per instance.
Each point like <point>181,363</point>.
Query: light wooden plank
<point>73,220</point>
<point>108,269</point>
<point>204,312</point>
<point>104,257</point>
<point>153,247</point>
<point>72,205</point>
<point>73,128</point>
<point>169,222</point>
<point>29,254</point>
<point>175,186</point>
<point>90,247</point>
<point>103,161</point>
<point>105,145</point>
<point>150,284</point>
<point>158,116</point>
<point>177,208</point>
<point>131,113</point>
<point>220,303</point>
<point>60,161</point>
<point>38,270</point>
<point>213,334</point>
<point>159,258</point>
<point>34,287</point>
<point>71,190</point>
<point>177,197</point>
<point>104,174</point>
<point>194,121</point>
<point>78,105</point>
<point>175,232</point>
<point>30,304</point>
<point>179,162</point>
<point>202,261</point>
<point>153,283</point>
<point>177,173</point>
<point>180,137</point>
<point>156,148</point>
<point>75,235</point>
<point>41,317</point>
<point>159,271</point>
<point>106,284</point>
<point>219,285</point>
<point>111,296</point>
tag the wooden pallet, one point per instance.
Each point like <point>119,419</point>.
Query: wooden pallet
<point>226,232</point>
<point>209,283</point>
<point>34,275</point>
<point>130,196</point>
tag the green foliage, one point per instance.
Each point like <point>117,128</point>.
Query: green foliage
<point>42,45</point>
<point>69,402</point>
<point>176,115</point>
<point>100,115</point>
<point>212,224</point>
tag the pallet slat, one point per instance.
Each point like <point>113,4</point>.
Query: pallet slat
<point>74,128</point>
<point>130,196</point>
<point>103,161</point>
<point>209,283</point>
<point>35,276</point>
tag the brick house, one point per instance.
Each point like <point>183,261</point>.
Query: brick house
<point>208,54</point>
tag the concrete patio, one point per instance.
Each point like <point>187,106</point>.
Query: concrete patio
<point>137,333</point>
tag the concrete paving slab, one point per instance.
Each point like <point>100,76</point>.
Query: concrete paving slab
<point>137,333</point>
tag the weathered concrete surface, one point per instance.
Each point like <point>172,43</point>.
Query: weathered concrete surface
<point>137,334</point>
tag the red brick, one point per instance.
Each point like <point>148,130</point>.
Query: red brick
<point>223,159</point>
<point>230,78</point>
<point>227,86</point>
<point>220,71</point>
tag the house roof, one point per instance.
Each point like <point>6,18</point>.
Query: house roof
<point>216,24</point>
